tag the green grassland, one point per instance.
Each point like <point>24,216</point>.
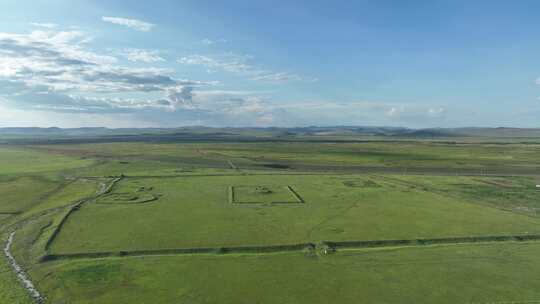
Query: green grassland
<point>70,192</point>
<point>195,212</point>
<point>259,194</point>
<point>20,193</point>
<point>18,161</point>
<point>183,195</point>
<point>499,273</point>
<point>11,292</point>
<point>516,194</point>
<point>444,156</point>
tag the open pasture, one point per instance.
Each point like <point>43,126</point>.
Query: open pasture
<point>516,194</point>
<point>482,273</point>
<point>294,222</point>
<point>434,157</point>
<point>195,212</point>
<point>24,161</point>
<point>21,193</point>
<point>257,194</point>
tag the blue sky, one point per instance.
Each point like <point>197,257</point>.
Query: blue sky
<point>269,63</point>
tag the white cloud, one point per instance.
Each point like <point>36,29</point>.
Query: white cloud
<point>55,71</point>
<point>207,41</point>
<point>239,65</point>
<point>147,56</point>
<point>28,118</point>
<point>131,23</point>
<point>437,111</point>
<point>394,111</point>
<point>281,77</point>
<point>232,63</point>
<point>413,111</point>
<point>44,25</point>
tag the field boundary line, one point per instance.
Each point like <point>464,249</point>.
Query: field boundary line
<point>76,206</point>
<point>231,194</point>
<point>297,196</point>
<point>431,241</point>
<point>182,251</point>
<point>383,171</point>
<point>232,165</point>
<point>507,302</point>
<point>328,246</point>
<point>297,199</point>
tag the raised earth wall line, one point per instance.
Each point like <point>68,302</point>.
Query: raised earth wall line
<point>297,196</point>
<point>329,245</point>
<point>76,207</point>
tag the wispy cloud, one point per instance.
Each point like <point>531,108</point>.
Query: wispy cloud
<point>240,65</point>
<point>282,77</point>
<point>55,71</point>
<point>232,63</point>
<point>409,111</point>
<point>131,23</point>
<point>58,72</point>
<point>147,56</point>
<point>44,25</point>
<point>207,41</point>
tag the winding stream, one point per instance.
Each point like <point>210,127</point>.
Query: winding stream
<point>21,274</point>
<point>19,271</point>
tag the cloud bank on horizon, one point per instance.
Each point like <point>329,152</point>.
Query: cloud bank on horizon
<point>120,71</point>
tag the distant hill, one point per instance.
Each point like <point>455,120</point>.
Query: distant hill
<point>336,133</point>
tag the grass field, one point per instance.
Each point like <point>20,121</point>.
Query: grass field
<point>259,222</point>
<point>19,194</point>
<point>450,274</point>
<point>259,194</point>
<point>17,161</point>
<point>138,158</point>
<point>194,212</point>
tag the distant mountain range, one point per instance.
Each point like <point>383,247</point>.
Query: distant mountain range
<point>337,133</point>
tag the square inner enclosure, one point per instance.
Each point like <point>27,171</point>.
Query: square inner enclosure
<point>261,194</point>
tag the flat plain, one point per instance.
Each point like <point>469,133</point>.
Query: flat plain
<point>385,221</point>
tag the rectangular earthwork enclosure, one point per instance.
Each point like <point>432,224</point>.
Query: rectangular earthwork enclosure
<point>258,194</point>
